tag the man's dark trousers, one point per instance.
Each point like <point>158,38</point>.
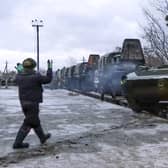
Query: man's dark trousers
<point>31,113</point>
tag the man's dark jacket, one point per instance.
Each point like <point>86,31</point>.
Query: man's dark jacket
<point>30,85</point>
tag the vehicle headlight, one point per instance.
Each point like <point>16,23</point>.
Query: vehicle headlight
<point>123,80</point>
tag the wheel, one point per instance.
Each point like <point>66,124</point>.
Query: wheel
<point>156,109</point>
<point>102,97</point>
<point>134,105</point>
<point>112,93</point>
<point>101,91</point>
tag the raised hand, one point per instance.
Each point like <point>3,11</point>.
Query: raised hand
<point>50,64</point>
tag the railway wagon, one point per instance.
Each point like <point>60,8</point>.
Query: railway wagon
<point>114,66</point>
<point>69,80</point>
<point>82,77</point>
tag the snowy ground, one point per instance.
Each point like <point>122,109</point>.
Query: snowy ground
<point>85,133</point>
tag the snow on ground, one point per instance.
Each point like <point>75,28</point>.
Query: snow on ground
<point>61,114</point>
<point>146,156</point>
<point>85,133</point>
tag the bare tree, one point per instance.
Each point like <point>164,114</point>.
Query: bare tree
<point>155,32</point>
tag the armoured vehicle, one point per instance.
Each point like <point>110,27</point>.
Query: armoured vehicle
<point>147,89</point>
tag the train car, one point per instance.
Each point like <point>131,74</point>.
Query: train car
<point>70,78</point>
<point>93,60</point>
<point>84,74</point>
<point>132,50</point>
<point>62,77</point>
<point>57,78</point>
<point>92,71</point>
<point>66,78</point>
<point>79,75</point>
<point>115,65</point>
<point>147,89</point>
<point>103,74</point>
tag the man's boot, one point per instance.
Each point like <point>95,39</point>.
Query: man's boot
<point>40,133</point>
<point>22,133</point>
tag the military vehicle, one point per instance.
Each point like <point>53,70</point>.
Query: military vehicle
<point>147,89</point>
<point>114,66</point>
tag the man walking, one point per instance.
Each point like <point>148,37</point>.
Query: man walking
<point>30,94</point>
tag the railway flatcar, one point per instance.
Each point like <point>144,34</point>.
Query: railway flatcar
<point>115,65</point>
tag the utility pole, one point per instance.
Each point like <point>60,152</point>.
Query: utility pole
<point>37,24</point>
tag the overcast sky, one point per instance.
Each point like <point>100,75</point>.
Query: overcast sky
<point>72,29</point>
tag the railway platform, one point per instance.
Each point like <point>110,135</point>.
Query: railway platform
<point>86,132</point>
